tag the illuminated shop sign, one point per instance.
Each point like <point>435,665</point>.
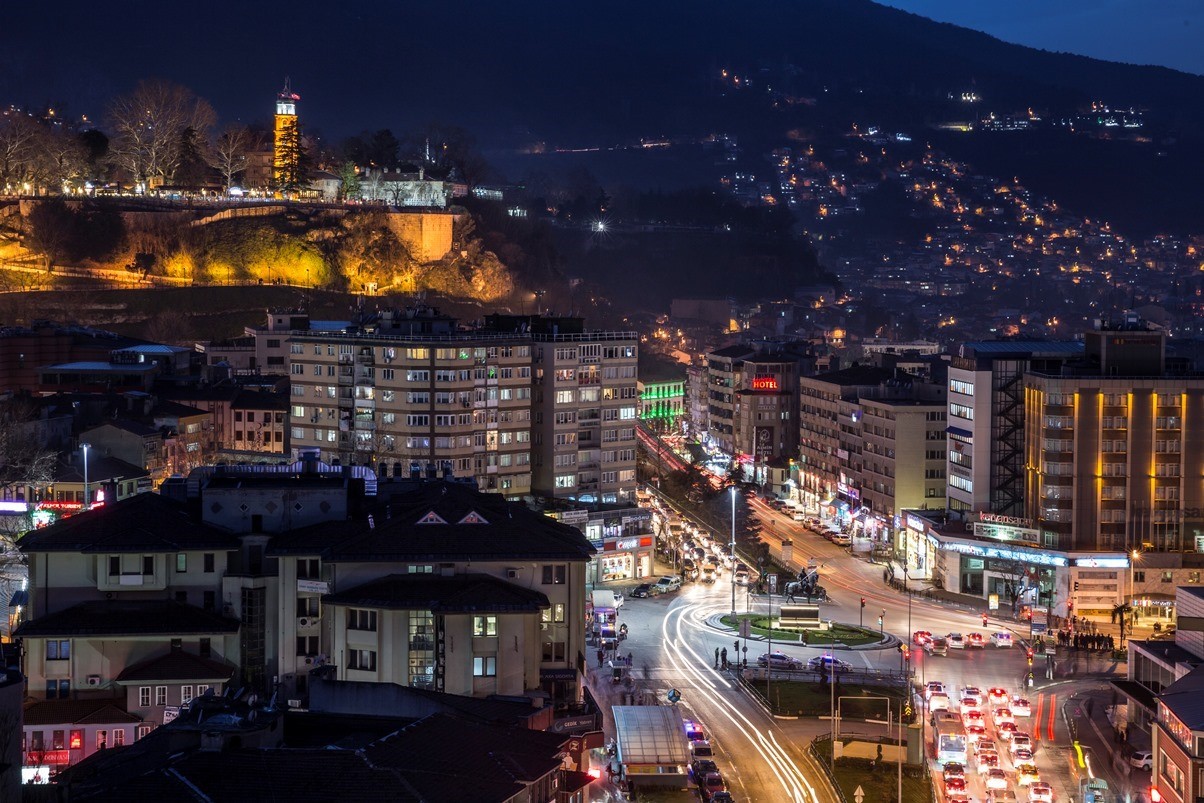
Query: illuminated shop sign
<point>1102,563</point>
<point>764,383</point>
<point>1010,521</point>
<point>1022,556</point>
<point>915,523</point>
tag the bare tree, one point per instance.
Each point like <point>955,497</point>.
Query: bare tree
<point>229,153</point>
<point>18,148</point>
<point>61,158</point>
<point>148,127</point>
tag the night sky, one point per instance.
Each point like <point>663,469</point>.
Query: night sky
<point>1161,32</point>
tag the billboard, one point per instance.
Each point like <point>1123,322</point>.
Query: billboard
<point>763,441</point>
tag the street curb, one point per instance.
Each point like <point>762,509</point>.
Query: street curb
<point>715,622</point>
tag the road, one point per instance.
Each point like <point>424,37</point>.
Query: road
<point>765,759</point>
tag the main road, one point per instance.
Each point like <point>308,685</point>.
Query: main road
<point>673,639</point>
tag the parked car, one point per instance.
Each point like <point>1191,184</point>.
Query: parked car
<point>699,768</point>
<point>643,590</point>
<point>667,584</point>
<point>779,660</point>
<point>702,749</point>
<point>712,783</point>
<point>828,663</point>
<point>1142,760</point>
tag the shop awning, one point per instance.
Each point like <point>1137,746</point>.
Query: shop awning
<point>958,432</point>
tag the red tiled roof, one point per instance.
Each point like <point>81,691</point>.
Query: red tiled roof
<point>78,712</point>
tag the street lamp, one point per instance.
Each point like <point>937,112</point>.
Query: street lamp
<point>733,551</point>
<point>87,498</point>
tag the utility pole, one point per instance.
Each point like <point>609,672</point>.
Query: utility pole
<point>732,575</point>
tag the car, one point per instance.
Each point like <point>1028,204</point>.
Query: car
<point>958,797</point>
<point>933,687</point>
<point>938,702</point>
<point>955,785</point>
<point>968,705</point>
<point>1040,792</point>
<point>694,730</point>
<point>1020,707</point>
<point>712,783</point>
<point>973,693</point>
<point>741,577</point>
<point>921,637</point>
<point>828,663</point>
<point>996,779</point>
<point>667,584</point>
<point>997,697</point>
<point>699,768</point>
<point>702,749</point>
<point>972,717</point>
<point>1142,760</point>
<point>1026,774</point>
<point>976,640</point>
<point>723,796</point>
<point>841,539</point>
<point>779,660</point>
<point>708,573</point>
<point>643,590</point>
<point>1019,741</point>
<point>986,760</point>
<point>987,745</point>
<point>975,732</point>
<point>956,641</point>
<point>1021,756</point>
<point>953,770</point>
<point>936,646</point>
<point>1006,730</point>
<point>1002,715</point>
<point>1001,639</point>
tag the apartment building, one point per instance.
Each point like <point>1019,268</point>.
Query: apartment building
<point>986,466</point>
<point>522,404</point>
<point>416,390</point>
<point>1109,440</point>
<point>903,458</point>
<point>752,399</point>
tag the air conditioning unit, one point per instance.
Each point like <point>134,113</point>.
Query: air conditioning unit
<point>294,703</point>
<point>93,680</point>
<point>512,574</point>
<point>309,660</point>
<point>303,621</point>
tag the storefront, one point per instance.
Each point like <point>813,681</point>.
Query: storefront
<point>623,539</point>
<point>919,547</point>
<point>1012,574</point>
<point>627,558</point>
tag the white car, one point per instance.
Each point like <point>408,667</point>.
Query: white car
<point>997,779</point>
<point>956,641</point>
<point>969,705</point>
<point>973,693</point>
<point>1021,707</point>
<point>779,660</point>
<point>666,584</point>
<point>938,702</point>
<point>1040,792</point>
<point>742,578</point>
<point>1001,639</point>
<point>1020,741</point>
<point>998,697</point>
<point>1002,715</point>
<point>934,687</point>
<point>1142,760</point>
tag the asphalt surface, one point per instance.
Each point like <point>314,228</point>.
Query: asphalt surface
<point>673,638</point>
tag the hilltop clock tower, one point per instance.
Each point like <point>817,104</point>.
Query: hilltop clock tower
<point>287,142</point>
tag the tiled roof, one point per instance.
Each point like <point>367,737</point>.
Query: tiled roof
<point>118,617</point>
<point>100,469</point>
<point>511,531</point>
<point>145,522</point>
<point>461,593</point>
<point>78,712</point>
<point>177,665</point>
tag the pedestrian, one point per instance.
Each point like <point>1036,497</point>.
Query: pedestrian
<point>629,657</point>
<point>601,655</point>
<point>723,657</point>
<point>716,657</point>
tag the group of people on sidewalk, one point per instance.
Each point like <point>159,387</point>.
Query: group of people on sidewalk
<point>1086,641</point>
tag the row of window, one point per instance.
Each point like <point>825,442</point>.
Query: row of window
<point>187,693</point>
<point>35,741</point>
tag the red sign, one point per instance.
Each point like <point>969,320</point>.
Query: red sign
<point>36,758</point>
<point>765,383</point>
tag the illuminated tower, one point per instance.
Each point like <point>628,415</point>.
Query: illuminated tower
<point>287,151</point>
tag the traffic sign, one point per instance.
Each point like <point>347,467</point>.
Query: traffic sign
<point>674,695</point>
<point>773,582</point>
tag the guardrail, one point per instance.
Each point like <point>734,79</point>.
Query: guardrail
<point>823,764</point>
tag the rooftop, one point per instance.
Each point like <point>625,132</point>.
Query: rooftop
<point>461,593</point>
<point>177,665</point>
<point>119,617</point>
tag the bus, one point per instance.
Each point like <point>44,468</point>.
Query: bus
<point>950,738</point>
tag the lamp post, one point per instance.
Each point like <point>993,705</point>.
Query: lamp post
<point>733,551</point>
<point>87,498</point>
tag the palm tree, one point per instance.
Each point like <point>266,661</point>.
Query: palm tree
<point>1119,614</point>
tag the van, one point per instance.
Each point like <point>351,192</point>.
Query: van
<point>798,516</point>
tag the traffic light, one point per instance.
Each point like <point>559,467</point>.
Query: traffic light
<point>879,621</point>
<point>863,602</point>
<point>1076,585</point>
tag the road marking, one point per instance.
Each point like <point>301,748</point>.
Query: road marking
<point>1037,718</point>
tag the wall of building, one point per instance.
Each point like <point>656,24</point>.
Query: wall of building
<point>427,235</point>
